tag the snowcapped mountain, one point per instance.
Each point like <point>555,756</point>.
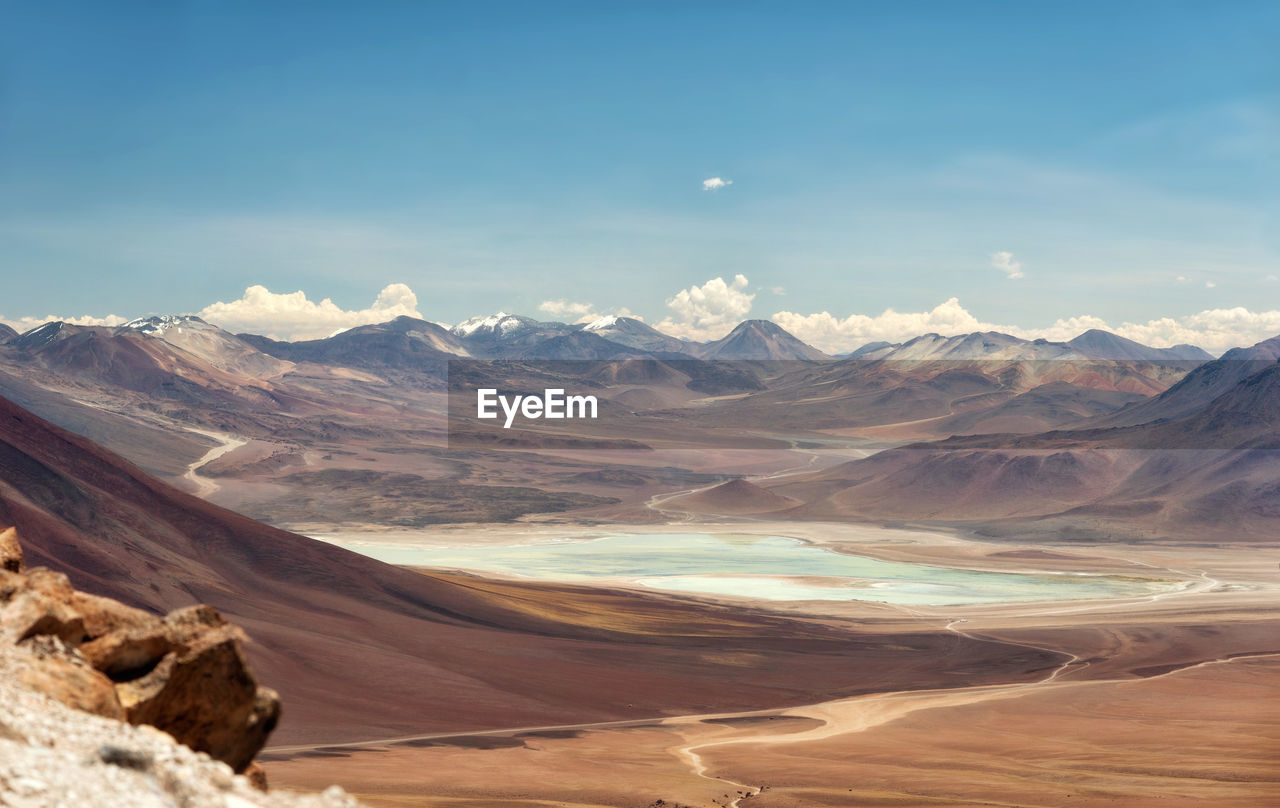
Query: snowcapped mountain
<point>502,334</point>
<point>759,339</point>
<point>219,348</point>
<point>636,334</point>
<point>500,325</point>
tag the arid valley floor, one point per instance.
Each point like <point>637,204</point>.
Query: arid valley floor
<point>730,590</point>
<point>1165,700</point>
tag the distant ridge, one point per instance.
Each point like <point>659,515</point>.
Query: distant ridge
<point>1098,344</point>
<point>1092,344</point>
<point>636,334</point>
<point>1199,387</point>
<point>405,342</point>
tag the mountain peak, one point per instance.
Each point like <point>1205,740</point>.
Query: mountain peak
<point>760,339</point>
<point>500,323</point>
<point>1098,344</point>
<point>603,322</point>
<point>158,324</point>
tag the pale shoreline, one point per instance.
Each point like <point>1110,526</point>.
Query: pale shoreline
<point>1213,575</point>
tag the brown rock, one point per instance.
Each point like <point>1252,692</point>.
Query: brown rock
<point>37,604</point>
<point>127,653</point>
<point>184,674</point>
<point>10,551</point>
<point>202,692</point>
<point>63,675</point>
<point>104,615</point>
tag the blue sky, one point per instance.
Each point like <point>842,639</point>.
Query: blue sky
<point>163,156</point>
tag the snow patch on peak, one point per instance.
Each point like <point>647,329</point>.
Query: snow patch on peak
<point>501,323</point>
<point>162,323</point>
<point>599,325</point>
<point>473,324</point>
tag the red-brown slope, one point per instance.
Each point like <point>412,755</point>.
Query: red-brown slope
<point>361,649</point>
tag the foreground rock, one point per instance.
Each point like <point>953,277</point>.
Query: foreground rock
<point>184,674</point>
<point>51,755</point>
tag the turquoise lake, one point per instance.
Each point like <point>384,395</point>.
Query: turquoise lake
<point>763,567</point>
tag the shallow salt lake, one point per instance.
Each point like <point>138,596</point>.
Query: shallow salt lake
<point>752,566</point>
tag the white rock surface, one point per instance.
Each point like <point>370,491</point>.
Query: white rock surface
<point>54,757</point>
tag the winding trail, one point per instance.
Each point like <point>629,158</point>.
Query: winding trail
<point>228,443</point>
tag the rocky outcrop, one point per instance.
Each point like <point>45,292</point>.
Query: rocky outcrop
<point>52,756</point>
<point>184,673</point>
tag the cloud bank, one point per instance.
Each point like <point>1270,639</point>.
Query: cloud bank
<point>708,311</point>
<point>293,316</point>
<point>715,184</point>
<point>21,324</point>
<point>1215,330</point>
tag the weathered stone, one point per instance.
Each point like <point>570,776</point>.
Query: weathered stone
<point>10,551</point>
<point>61,674</point>
<point>38,604</point>
<point>126,654</point>
<point>184,674</point>
<point>104,615</point>
<point>202,693</point>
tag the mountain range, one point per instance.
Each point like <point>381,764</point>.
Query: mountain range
<point>408,342</point>
<point>322,420</point>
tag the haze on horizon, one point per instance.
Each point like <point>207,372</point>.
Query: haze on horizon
<point>866,172</point>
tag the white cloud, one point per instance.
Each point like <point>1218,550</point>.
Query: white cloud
<point>1215,330</point>
<point>566,308</point>
<point>293,316</point>
<point>780,291</point>
<point>1005,262</point>
<point>573,312</point>
<point>708,311</point>
<point>22,324</point>
<point>1273,277</point>
<point>1182,279</point>
<point>1210,285</point>
<point>715,184</point>
<point>830,333</point>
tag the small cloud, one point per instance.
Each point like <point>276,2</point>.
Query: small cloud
<point>715,184</point>
<point>567,308</point>
<point>1273,278</point>
<point>780,291</point>
<point>1209,284</point>
<point>1005,262</point>
<point>1182,279</point>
